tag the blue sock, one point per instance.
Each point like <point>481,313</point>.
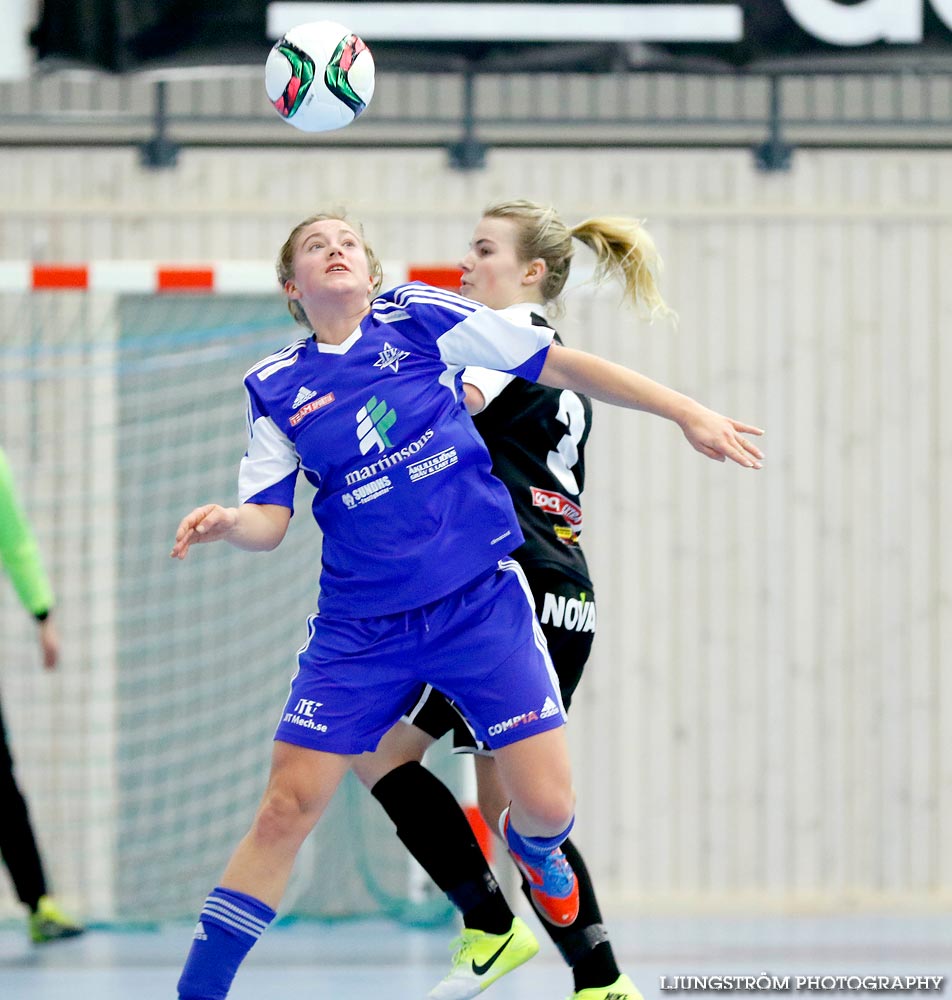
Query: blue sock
<point>229,925</point>
<point>535,848</point>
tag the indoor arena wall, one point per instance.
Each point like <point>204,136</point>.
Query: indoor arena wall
<point>761,723</point>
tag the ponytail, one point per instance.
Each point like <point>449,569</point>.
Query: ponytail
<point>625,250</point>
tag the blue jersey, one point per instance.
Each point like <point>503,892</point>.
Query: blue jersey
<point>406,501</point>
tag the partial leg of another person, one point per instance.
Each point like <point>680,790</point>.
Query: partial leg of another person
<point>483,647</point>
<point>509,694</point>
<point>584,944</point>
<point>18,847</point>
<point>435,830</point>
<point>433,827</point>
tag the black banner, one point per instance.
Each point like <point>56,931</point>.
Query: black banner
<point>121,35</point>
<point>824,32</point>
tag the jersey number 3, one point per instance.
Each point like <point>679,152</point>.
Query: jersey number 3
<point>565,457</point>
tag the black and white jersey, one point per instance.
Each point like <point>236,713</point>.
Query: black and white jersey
<point>536,436</point>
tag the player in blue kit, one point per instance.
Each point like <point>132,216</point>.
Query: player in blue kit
<point>416,584</point>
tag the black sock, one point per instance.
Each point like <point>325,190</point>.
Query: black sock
<point>584,944</point>
<point>434,828</point>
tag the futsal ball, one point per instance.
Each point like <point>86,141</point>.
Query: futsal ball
<point>319,76</point>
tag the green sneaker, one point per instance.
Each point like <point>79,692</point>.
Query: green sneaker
<point>621,989</point>
<point>479,959</point>
<point>49,923</point>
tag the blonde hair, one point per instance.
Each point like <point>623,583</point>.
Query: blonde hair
<point>622,246</point>
<point>285,262</point>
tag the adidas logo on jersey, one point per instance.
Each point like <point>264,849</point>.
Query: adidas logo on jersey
<point>199,934</point>
<point>549,709</point>
<point>304,394</point>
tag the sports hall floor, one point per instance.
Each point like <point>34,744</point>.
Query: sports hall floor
<point>377,959</point>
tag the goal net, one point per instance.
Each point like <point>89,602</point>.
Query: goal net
<point>144,755</point>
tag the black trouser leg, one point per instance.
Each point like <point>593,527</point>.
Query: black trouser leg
<point>17,842</point>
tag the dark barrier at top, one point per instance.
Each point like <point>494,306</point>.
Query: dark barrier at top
<point>119,35</point>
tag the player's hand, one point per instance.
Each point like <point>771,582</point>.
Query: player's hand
<point>720,437</point>
<point>209,523</point>
<point>49,643</point>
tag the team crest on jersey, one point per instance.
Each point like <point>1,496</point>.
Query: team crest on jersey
<point>390,357</point>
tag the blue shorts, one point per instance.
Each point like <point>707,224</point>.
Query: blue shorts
<point>566,610</point>
<point>481,645</point>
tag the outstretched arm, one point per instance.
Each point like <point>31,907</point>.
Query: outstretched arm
<point>252,526</point>
<point>710,433</point>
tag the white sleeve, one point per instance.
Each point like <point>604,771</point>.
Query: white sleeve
<point>490,383</point>
<point>269,469</point>
<point>491,340</point>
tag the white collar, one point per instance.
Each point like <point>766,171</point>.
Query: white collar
<point>524,311</point>
<point>343,347</point>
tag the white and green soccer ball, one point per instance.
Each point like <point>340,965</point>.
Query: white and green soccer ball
<point>319,76</point>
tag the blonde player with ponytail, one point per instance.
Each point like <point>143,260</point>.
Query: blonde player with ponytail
<point>518,263</point>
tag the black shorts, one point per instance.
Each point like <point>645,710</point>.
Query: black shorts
<point>566,610</point>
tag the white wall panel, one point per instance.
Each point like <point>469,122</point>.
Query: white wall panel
<point>762,720</point>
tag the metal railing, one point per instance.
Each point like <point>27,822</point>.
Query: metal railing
<point>468,113</point>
